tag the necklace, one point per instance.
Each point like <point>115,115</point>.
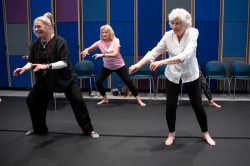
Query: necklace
<point>44,45</point>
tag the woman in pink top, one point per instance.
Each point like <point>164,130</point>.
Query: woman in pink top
<point>109,46</point>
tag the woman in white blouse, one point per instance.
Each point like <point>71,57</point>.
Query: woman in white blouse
<point>182,66</point>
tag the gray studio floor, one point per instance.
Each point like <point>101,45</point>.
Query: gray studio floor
<point>130,135</point>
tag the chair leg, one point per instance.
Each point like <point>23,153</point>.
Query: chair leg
<point>156,91</point>
<point>153,85</point>
<point>55,99</point>
<point>150,87</point>
<point>229,93</point>
<point>234,87</point>
<point>90,84</point>
<point>224,88</point>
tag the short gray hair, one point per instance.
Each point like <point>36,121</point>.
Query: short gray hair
<point>183,15</point>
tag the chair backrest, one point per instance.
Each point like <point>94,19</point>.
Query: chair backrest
<point>161,70</point>
<point>84,68</point>
<point>240,68</point>
<point>144,70</point>
<point>215,68</point>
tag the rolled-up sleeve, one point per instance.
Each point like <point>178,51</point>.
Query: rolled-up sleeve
<point>190,47</point>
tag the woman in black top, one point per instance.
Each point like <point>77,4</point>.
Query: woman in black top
<point>49,59</point>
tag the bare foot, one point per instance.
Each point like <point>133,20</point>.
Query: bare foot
<point>170,140</point>
<point>213,104</point>
<point>141,103</point>
<point>208,139</point>
<point>103,101</point>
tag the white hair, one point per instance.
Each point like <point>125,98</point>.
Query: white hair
<point>47,20</point>
<point>183,15</point>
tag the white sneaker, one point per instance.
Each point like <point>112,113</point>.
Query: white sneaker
<point>94,135</point>
<point>31,132</point>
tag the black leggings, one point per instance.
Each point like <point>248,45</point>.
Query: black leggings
<point>194,93</point>
<point>123,74</point>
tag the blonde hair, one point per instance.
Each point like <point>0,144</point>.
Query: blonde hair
<point>110,31</point>
<point>47,20</point>
<point>183,15</point>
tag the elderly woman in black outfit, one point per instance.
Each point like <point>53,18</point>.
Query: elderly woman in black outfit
<point>182,65</point>
<point>49,59</point>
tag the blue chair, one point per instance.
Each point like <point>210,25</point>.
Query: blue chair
<point>216,70</point>
<point>240,71</point>
<point>161,75</point>
<point>144,73</point>
<point>85,70</point>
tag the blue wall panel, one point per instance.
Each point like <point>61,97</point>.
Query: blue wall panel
<point>91,32</point>
<point>3,62</point>
<point>74,59</point>
<point>149,34</point>
<point>207,11</point>
<point>207,17</point>
<point>36,10</point>
<point>69,31</point>
<point>94,10</point>
<point>235,28</point>
<point>149,30</point>
<point>125,32</point>
<point>23,80</point>
<point>3,72</point>
<point>207,22</point>
<point>234,42</point>
<point>121,11</point>
<point>2,41</point>
<point>235,10</point>
<point>149,25</point>
<point>207,42</point>
<point>1,14</point>
<point>122,21</point>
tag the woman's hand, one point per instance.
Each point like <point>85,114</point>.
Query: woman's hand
<point>132,69</point>
<point>84,53</point>
<point>38,67</point>
<point>97,56</point>
<point>154,65</point>
<point>19,71</point>
<point>25,56</point>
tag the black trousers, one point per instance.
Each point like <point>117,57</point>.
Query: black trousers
<point>37,102</point>
<point>123,74</point>
<point>194,93</point>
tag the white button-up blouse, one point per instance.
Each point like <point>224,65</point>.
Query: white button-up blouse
<point>188,70</point>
